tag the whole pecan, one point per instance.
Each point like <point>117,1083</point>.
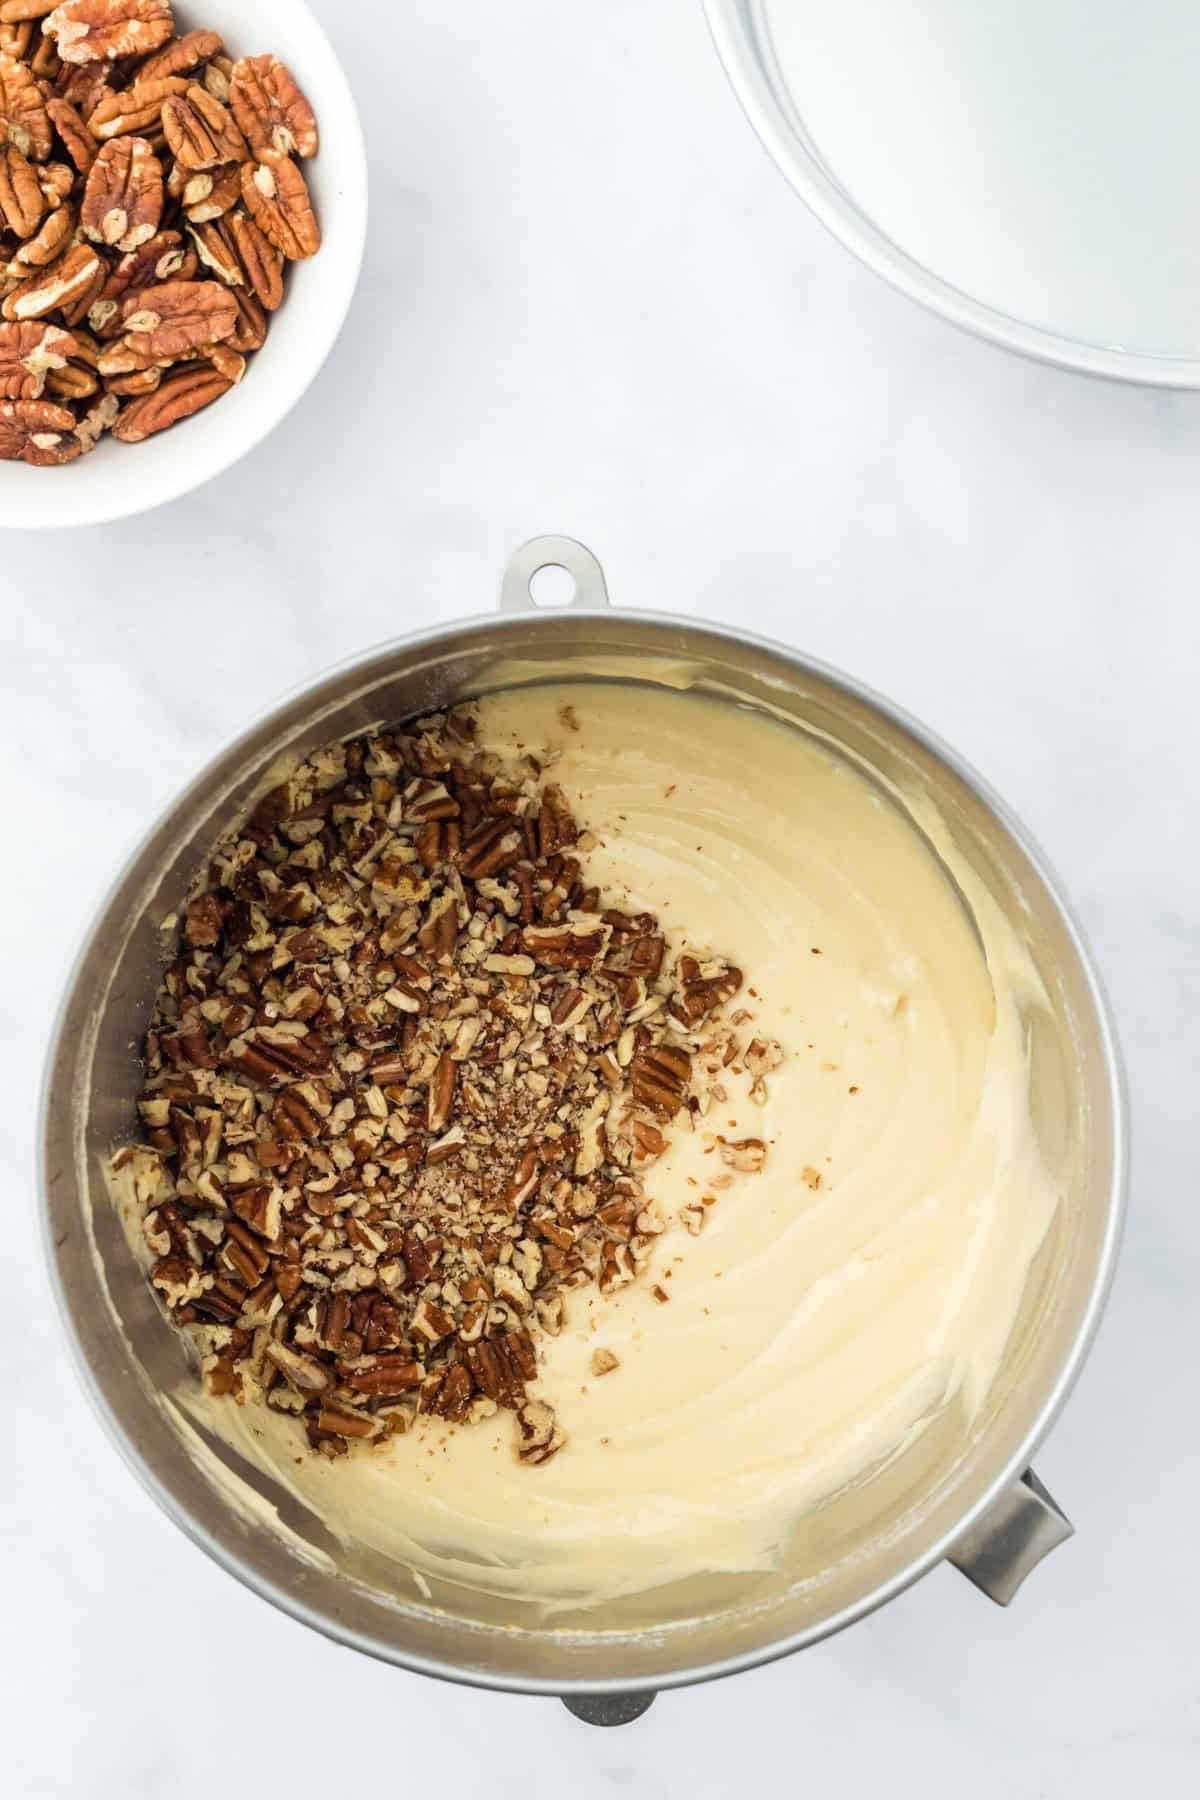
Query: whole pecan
<point>277,199</point>
<point>123,199</point>
<point>23,120</point>
<point>176,398</point>
<point>272,111</point>
<point>181,55</point>
<point>166,321</point>
<point>36,432</point>
<point>22,203</point>
<point>201,132</point>
<point>28,352</point>
<point>88,30</point>
<point>78,141</point>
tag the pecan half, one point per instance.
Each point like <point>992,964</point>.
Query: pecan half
<point>23,120</point>
<point>262,263</point>
<point>15,36</point>
<point>21,201</point>
<point>166,321</point>
<point>216,250</point>
<point>180,56</point>
<point>77,140</point>
<point>175,399</point>
<point>271,110</point>
<point>51,238</point>
<point>159,259</point>
<point>56,287</point>
<point>210,193</point>
<point>28,353</point>
<point>89,30</point>
<point>250,332</point>
<point>200,131</point>
<point>123,198</point>
<point>277,199</point>
<point>36,432</point>
<point>137,109</point>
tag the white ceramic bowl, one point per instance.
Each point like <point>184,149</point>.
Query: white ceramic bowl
<point>119,479</point>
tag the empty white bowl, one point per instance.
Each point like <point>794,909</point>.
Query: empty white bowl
<point>116,480</point>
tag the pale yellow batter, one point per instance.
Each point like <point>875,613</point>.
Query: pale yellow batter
<point>834,1302</point>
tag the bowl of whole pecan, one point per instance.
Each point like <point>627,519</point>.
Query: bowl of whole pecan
<point>183,199</point>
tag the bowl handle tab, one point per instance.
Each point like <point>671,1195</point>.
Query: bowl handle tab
<point>1012,1537</point>
<point>586,592</point>
<point>608,1709</point>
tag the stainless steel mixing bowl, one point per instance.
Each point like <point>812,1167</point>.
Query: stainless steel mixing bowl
<point>963,1495</point>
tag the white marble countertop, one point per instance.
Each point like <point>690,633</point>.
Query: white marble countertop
<point>591,305</point>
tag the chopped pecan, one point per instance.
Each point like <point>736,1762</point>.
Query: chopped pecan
<point>386,1375</point>
<point>746,1154</point>
<point>23,120</point>
<point>574,945</point>
<point>36,432</point>
<point>277,199</point>
<point>659,1074</point>
<point>89,30</point>
<point>539,1436</point>
<point>699,993</point>
<point>172,400</point>
<point>270,109</point>
<point>202,133</point>
<point>304,1372</point>
<point>604,1362</point>
<point>123,198</point>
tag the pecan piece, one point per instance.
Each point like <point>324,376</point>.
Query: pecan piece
<point>229,364</point>
<point>746,1154</point>
<point>180,56</point>
<point>90,30</point>
<point>23,120</point>
<point>55,181</point>
<point>701,994</point>
<point>262,263</point>
<point>36,432</point>
<point>100,417</point>
<point>201,132</point>
<point>386,1375</point>
<point>271,110</point>
<point>440,1101</point>
<point>77,140</point>
<point>28,352</point>
<point>538,1434</point>
<point>164,322</point>
<point>304,1372</point>
<point>170,402</point>
<point>123,198</point>
<point>659,1075</point>
<point>277,199</point>
<point>56,287</point>
<point>22,202</point>
<point>15,36</point>
<point>574,945</point>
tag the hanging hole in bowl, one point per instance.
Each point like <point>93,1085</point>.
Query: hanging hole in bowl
<point>552,585</point>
